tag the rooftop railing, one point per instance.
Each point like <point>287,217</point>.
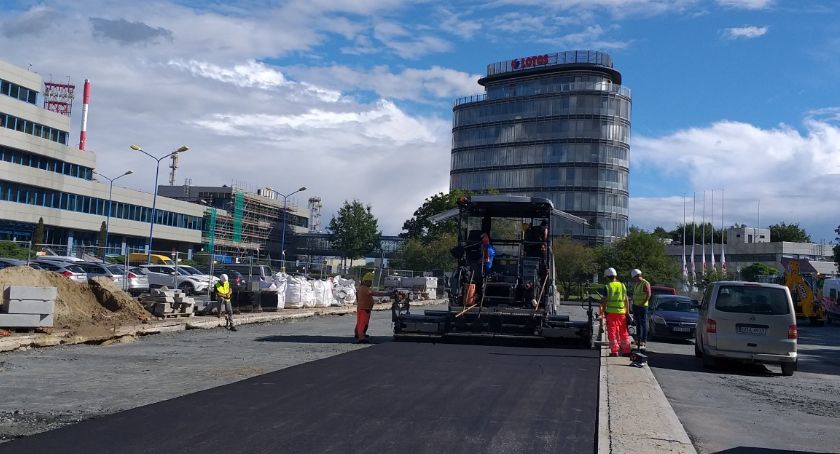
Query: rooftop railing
<point>544,60</point>
<point>608,87</point>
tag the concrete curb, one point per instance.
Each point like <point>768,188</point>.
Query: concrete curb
<point>633,413</point>
<point>63,337</point>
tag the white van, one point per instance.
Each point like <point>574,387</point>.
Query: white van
<point>830,298</point>
<point>747,321</point>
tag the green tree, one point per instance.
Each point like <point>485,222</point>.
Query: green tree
<point>752,272</point>
<point>100,239</point>
<point>354,231</point>
<point>659,232</point>
<point>712,275</point>
<point>702,230</point>
<point>434,255</point>
<point>574,263</point>
<point>837,247</point>
<point>641,250</point>
<point>11,250</point>
<point>420,227</point>
<point>789,232</point>
<point>39,233</point>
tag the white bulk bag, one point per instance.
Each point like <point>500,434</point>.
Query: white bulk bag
<point>294,293</point>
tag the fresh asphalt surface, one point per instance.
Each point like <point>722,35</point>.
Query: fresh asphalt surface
<point>407,397</point>
<point>746,408</point>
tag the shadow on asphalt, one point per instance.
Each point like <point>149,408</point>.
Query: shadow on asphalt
<point>689,363</point>
<point>301,339</point>
<point>751,450</point>
<point>462,340</point>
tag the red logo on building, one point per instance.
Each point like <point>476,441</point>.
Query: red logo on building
<point>529,62</point>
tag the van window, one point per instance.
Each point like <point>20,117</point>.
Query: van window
<point>752,300</point>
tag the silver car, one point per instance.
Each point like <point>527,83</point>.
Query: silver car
<point>69,270</point>
<point>747,321</point>
<point>172,277</point>
<point>135,281</point>
<point>100,270</point>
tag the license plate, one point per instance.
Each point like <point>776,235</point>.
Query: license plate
<point>681,329</point>
<point>752,330</point>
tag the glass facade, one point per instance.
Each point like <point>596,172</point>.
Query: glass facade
<point>18,92</point>
<point>554,130</point>
<point>32,128</point>
<point>24,158</point>
<point>80,203</point>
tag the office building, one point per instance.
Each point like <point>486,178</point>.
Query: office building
<point>43,177</point>
<point>555,126</point>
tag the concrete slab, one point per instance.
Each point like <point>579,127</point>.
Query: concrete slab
<point>14,306</point>
<point>19,292</point>
<point>26,320</point>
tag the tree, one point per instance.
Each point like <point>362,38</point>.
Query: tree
<point>574,263</point>
<point>39,233</point>
<point>434,255</point>
<point>100,240</point>
<point>712,275</point>
<point>354,231</point>
<point>752,272</point>
<point>420,227</point>
<point>659,232</point>
<point>711,233</point>
<point>789,232</point>
<point>837,247</point>
<point>640,250</point>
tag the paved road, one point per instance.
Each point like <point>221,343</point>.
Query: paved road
<point>406,396</point>
<point>740,406</point>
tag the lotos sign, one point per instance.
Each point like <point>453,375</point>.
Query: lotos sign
<point>529,62</point>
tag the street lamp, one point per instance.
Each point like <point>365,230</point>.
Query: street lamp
<point>110,194</point>
<point>283,238</point>
<point>181,149</point>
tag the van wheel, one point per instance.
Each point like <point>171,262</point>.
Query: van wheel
<point>708,362</point>
<point>697,352</point>
<point>788,368</point>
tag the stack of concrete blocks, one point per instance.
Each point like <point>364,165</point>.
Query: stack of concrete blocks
<point>169,303</point>
<point>28,307</point>
<point>425,286</point>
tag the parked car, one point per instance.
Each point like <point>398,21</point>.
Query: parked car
<point>236,279</point>
<point>59,258</point>
<point>198,273</point>
<point>136,282</point>
<point>172,277</point>
<point>662,290</point>
<point>69,270</point>
<point>830,298</point>
<point>673,317</point>
<point>8,263</point>
<point>261,274</point>
<point>747,321</point>
<point>101,269</point>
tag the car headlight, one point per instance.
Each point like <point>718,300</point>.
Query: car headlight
<point>659,320</point>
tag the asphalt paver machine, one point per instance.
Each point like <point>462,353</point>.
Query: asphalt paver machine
<point>504,281</point>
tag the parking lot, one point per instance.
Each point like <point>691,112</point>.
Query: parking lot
<point>738,406</point>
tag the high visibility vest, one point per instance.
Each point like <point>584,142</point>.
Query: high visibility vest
<point>616,296</point>
<point>223,288</point>
<point>639,297</point>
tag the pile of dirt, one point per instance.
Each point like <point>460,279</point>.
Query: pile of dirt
<point>94,309</point>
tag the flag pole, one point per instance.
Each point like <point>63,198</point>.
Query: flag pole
<point>693,236</point>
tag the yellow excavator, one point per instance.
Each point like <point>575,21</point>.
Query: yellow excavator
<point>804,301</point>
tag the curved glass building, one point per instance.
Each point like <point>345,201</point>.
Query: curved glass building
<point>554,126</point>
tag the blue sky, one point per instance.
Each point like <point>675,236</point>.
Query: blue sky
<point>353,98</point>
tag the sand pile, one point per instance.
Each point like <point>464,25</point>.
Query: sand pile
<point>93,309</point>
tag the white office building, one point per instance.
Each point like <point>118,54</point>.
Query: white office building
<point>41,176</point>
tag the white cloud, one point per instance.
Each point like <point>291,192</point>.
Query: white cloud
<point>747,32</point>
<point>788,170</point>
<point>590,37</point>
<point>617,8</point>
<point>746,4</point>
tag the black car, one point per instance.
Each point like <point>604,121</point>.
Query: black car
<point>672,317</point>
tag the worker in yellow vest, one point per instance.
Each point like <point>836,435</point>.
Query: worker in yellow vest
<point>223,293</point>
<point>641,299</point>
<point>616,306</point>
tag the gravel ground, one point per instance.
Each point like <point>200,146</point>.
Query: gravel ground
<point>741,406</point>
<point>47,388</point>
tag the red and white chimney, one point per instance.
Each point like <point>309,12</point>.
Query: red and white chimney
<point>85,103</point>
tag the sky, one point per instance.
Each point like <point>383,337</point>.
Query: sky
<point>353,98</point>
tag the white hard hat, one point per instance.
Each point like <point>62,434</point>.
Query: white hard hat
<point>635,272</point>
<point>223,277</point>
<point>610,272</point>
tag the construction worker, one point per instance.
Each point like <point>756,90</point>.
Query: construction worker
<point>364,306</point>
<point>641,299</point>
<point>615,305</point>
<point>223,293</point>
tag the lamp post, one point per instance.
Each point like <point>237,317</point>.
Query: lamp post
<point>181,149</point>
<point>283,237</point>
<point>110,197</point>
